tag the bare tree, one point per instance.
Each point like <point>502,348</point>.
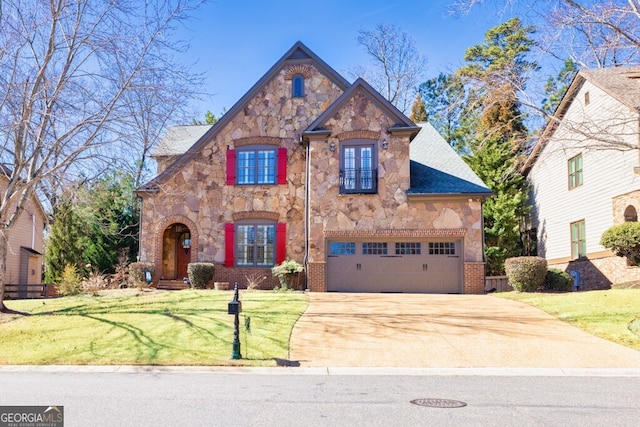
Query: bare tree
<point>67,68</point>
<point>398,67</point>
<point>593,33</point>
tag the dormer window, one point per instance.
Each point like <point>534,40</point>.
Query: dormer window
<point>297,86</point>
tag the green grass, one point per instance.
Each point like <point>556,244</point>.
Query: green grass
<point>612,314</point>
<point>189,327</point>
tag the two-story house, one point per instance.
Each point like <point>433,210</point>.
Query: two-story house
<point>25,247</point>
<point>309,167</point>
<point>584,175</point>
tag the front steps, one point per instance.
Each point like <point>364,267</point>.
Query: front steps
<point>172,285</point>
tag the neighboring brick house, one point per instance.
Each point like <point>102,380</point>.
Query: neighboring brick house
<point>24,253</point>
<point>307,166</point>
<point>584,175</point>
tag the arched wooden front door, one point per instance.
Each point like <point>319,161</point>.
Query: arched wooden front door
<point>176,251</point>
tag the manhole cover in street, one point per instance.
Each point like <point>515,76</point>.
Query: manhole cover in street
<point>439,403</point>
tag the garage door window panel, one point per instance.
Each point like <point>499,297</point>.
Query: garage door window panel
<point>408,248</point>
<point>442,248</point>
<point>374,248</point>
<point>342,248</point>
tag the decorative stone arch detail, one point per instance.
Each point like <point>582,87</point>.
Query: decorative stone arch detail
<point>257,140</point>
<point>302,69</point>
<point>358,134</point>
<point>271,216</point>
<point>159,232</point>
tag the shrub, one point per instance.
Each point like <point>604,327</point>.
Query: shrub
<point>94,282</point>
<point>70,281</point>
<point>527,273</point>
<point>287,273</point>
<point>624,241</point>
<point>254,280</point>
<point>200,273</point>
<point>557,280</point>
<point>137,273</point>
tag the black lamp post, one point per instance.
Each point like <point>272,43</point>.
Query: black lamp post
<point>235,307</point>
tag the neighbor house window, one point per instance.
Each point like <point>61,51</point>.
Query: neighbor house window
<point>358,167</point>
<point>575,171</point>
<point>297,86</point>
<point>257,165</point>
<point>587,98</point>
<point>578,240</point>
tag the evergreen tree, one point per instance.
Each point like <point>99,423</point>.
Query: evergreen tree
<point>65,241</point>
<point>449,108</point>
<point>497,72</point>
<point>556,87</point>
<point>418,112</point>
<point>109,210</point>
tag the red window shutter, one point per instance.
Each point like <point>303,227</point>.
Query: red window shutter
<point>231,167</point>
<point>282,165</point>
<point>281,243</point>
<point>229,244</point>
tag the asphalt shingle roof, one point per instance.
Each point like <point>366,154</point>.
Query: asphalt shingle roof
<point>179,139</point>
<point>437,169</point>
<point>621,82</point>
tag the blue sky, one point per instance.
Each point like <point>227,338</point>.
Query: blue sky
<point>235,42</point>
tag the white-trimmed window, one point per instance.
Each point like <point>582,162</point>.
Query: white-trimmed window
<point>255,244</point>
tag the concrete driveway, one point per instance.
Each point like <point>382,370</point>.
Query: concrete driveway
<point>444,331</point>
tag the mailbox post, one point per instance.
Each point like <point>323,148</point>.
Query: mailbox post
<point>235,307</point>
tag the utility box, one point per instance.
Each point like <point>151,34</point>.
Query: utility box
<point>575,275</point>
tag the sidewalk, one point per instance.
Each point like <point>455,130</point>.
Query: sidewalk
<point>444,331</point>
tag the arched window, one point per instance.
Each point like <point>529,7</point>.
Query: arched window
<point>630,214</point>
<point>297,86</point>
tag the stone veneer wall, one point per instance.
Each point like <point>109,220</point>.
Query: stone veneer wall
<point>197,195</point>
<point>390,212</point>
<point>602,272</point>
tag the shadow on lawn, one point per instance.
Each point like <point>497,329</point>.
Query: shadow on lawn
<point>199,330</point>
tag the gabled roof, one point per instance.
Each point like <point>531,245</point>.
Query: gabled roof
<point>401,122</point>
<point>296,54</point>
<point>622,83</point>
<point>179,139</point>
<point>436,169</point>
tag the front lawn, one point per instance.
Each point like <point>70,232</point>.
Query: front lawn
<point>612,314</point>
<point>132,327</point>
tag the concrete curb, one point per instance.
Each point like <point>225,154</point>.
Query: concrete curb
<point>329,371</point>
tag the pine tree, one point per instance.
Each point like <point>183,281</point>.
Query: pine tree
<point>497,71</point>
<point>418,112</point>
<point>65,241</point>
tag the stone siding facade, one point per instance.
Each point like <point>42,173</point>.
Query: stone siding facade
<point>193,191</point>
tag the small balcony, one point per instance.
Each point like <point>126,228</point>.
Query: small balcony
<point>358,181</point>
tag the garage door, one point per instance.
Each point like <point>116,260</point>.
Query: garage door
<point>394,266</point>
